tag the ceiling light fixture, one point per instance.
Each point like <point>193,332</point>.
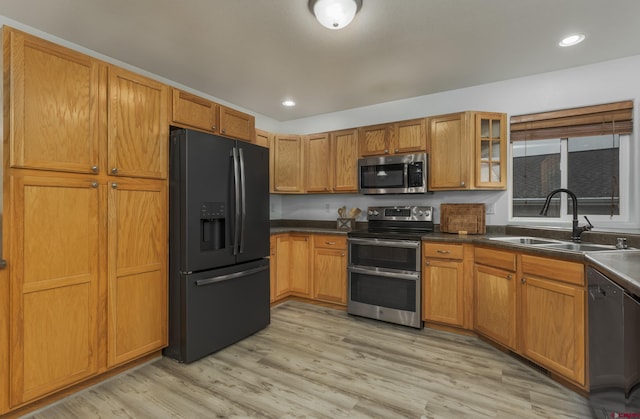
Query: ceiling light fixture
<point>572,40</point>
<point>288,103</point>
<point>334,14</point>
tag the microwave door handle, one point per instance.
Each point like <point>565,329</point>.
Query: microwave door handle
<point>236,186</point>
<point>243,187</point>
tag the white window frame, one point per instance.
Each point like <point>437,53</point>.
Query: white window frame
<point>600,222</point>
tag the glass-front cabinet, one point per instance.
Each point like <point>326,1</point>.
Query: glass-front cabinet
<point>491,150</point>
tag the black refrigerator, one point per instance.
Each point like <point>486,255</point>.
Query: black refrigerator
<point>218,243</point>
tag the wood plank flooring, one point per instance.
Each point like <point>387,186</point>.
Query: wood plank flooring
<point>318,362</point>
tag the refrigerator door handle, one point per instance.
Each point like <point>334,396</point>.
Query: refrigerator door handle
<point>243,188</point>
<point>235,275</point>
<point>236,184</point>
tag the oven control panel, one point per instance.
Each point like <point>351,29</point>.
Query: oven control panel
<point>400,213</point>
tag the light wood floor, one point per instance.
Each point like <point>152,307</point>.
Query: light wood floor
<point>318,362</point>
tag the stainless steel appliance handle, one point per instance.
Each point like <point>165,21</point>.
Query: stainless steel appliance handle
<point>243,187</point>
<point>236,185</point>
<point>389,243</point>
<point>235,275</point>
<point>414,276</point>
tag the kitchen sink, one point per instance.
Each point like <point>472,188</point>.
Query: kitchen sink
<point>579,247</point>
<point>525,240</point>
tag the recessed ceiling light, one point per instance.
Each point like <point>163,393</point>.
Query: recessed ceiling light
<point>572,40</point>
<point>288,103</point>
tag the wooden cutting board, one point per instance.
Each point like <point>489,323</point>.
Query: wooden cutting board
<point>462,218</point>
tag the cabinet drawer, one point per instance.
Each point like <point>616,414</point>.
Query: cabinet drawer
<point>560,270</point>
<point>330,241</point>
<point>443,250</point>
<point>496,258</point>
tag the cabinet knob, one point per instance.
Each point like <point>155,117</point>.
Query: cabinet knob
<point>523,280</point>
<point>114,185</point>
<point>114,170</point>
<point>426,263</point>
<point>396,150</point>
<point>509,277</point>
<point>213,127</point>
<point>94,169</point>
<point>94,184</point>
<point>386,151</point>
<point>342,254</point>
<point>224,130</point>
<point>461,183</point>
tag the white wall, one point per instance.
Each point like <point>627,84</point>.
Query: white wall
<point>609,81</point>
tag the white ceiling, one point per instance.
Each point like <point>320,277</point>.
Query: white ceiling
<point>256,53</point>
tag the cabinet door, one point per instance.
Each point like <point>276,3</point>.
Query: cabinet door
<point>283,282</point>
<point>443,292</point>
<point>273,268</point>
<point>495,304</point>
<point>330,275</point>
<point>137,269</point>
<point>54,106</point>
<point>318,163</point>
<point>262,138</point>
<point>300,273</point>
<point>138,130</point>
<point>194,111</point>
<point>449,152</point>
<point>374,140</point>
<point>55,257</point>
<point>491,151</point>
<point>345,160</point>
<point>237,124</point>
<point>553,324</point>
<point>409,136</point>
<point>287,155</point>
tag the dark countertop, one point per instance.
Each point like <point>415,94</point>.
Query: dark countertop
<point>623,267</point>
<point>310,230</point>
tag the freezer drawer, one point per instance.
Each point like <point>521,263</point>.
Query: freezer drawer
<point>218,308</point>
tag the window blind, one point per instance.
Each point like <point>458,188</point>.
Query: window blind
<point>609,118</point>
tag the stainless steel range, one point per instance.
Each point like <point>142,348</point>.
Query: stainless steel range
<point>384,264</point>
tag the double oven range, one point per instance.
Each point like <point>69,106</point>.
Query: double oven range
<point>385,264</point>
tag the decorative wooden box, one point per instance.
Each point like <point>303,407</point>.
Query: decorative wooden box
<point>462,218</point>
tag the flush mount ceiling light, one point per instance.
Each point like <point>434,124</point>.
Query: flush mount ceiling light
<point>288,103</point>
<point>334,14</point>
<point>572,40</point>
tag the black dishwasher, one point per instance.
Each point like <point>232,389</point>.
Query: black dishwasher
<point>614,348</point>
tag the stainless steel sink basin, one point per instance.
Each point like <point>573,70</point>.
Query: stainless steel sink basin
<point>578,247</point>
<point>525,240</point>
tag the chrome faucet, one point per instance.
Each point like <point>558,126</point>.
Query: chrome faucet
<point>576,230</point>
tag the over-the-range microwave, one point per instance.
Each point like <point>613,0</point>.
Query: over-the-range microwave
<point>400,174</point>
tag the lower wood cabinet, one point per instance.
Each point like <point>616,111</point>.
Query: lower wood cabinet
<point>495,302</point>
<point>137,269</point>
<point>312,266</point>
<point>54,270</point>
<point>330,268</point>
<point>553,315</point>
<point>299,264</point>
<point>444,284</point>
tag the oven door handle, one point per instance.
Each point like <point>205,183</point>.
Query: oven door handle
<point>389,243</point>
<point>415,276</point>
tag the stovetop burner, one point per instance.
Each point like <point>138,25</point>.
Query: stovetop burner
<point>397,222</point>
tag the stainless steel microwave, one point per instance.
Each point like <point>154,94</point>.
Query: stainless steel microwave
<point>393,174</point>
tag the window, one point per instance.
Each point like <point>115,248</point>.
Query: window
<point>585,150</point>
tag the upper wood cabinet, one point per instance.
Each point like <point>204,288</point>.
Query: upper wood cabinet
<point>318,167</point>
<point>192,111</point>
<point>262,138</point>
<point>236,124</point>
<point>345,160</point>
<point>467,150</point>
<point>287,162</point>
<point>55,256</point>
<point>393,138</point>
<point>137,128</point>
<point>55,102</point>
